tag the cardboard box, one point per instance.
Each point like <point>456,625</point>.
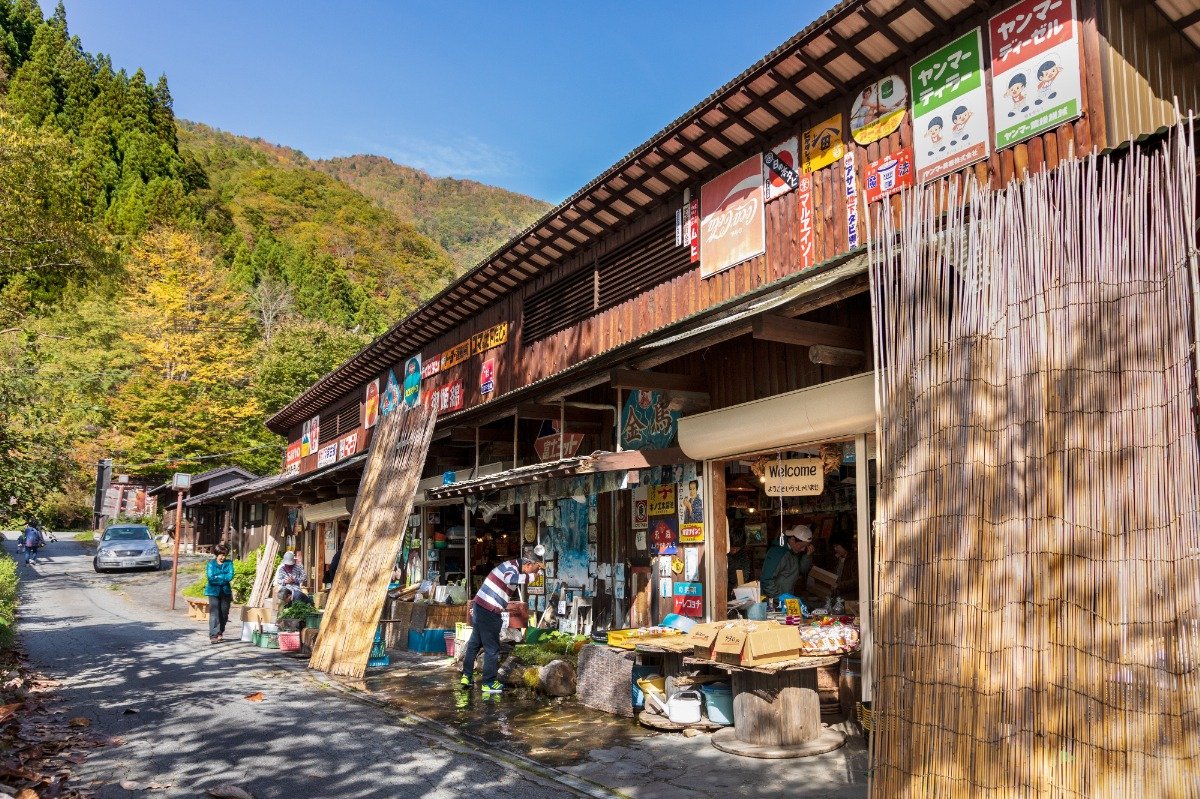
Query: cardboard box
<point>750,591</point>
<point>757,643</point>
<point>703,638</point>
<point>259,615</point>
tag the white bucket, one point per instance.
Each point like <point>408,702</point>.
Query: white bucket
<point>684,707</point>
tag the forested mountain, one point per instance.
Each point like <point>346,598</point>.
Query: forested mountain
<point>163,286</point>
<point>470,220</point>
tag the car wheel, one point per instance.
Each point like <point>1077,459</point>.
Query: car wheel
<point>96,566</point>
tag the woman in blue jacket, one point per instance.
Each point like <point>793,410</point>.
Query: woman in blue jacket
<point>219,593</point>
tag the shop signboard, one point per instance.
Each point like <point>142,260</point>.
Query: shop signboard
<point>647,421</point>
<point>310,436</point>
<point>431,366</point>
<point>489,339</point>
<point>823,144</point>
<point>732,222</point>
<point>487,377</point>
<point>371,404</point>
<point>691,533</point>
<point>412,382</point>
<point>804,208</point>
<point>664,534</point>
<point>689,599</point>
<point>641,514</point>
<point>794,477</point>
<point>878,110</point>
<point>850,180</point>
<point>391,395</point>
<point>292,455</point>
<point>327,456</point>
<point>347,445</point>
<point>1036,75</point>
<point>691,504</point>
<point>694,229</point>
<point>456,354</point>
<point>781,169</point>
<point>555,447</point>
<point>888,174</point>
<point>447,398</point>
<point>950,109</point>
<point>661,500</point>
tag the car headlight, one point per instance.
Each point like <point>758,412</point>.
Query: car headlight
<point>151,551</point>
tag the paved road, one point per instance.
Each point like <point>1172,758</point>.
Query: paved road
<point>114,645</point>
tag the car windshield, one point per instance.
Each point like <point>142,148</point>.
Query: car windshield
<point>127,534</point>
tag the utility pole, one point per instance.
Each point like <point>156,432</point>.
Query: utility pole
<point>181,483</point>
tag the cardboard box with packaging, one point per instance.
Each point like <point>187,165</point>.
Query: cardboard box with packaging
<point>757,643</point>
<point>748,592</point>
<point>703,638</point>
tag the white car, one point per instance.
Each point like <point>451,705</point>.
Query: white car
<point>127,546</point>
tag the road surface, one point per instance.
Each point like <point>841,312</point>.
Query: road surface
<point>116,648</point>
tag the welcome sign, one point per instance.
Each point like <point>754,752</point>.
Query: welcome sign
<point>794,477</point>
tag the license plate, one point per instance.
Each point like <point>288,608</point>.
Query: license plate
<point>125,564</point>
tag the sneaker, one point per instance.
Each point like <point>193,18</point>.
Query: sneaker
<point>465,681</point>
<point>493,687</point>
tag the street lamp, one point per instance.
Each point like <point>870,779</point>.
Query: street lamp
<point>182,483</point>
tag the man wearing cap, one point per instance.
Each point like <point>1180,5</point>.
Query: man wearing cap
<point>490,601</point>
<point>786,563</point>
<point>289,575</point>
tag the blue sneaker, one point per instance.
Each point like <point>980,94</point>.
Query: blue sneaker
<point>493,687</point>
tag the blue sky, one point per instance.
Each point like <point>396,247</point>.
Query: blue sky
<point>537,97</point>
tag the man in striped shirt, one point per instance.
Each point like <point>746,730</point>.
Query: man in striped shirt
<point>490,601</point>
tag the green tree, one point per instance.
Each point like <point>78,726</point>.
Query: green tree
<point>298,355</point>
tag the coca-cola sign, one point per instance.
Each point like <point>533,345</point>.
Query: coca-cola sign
<point>732,226</point>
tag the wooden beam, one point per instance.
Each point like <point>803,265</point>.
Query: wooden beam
<point>836,356</point>
<point>804,333</point>
<point>657,381</point>
<point>535,410</point>
<point>466,435</point>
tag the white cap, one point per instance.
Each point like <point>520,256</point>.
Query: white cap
<point>800,531</point>
<point>290,557</point>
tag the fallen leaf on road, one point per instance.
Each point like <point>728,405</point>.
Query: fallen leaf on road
<point>8,710</point>
<point>229,792</point>
<point>79,721</point>
<point>27,793</point>
<point>257,696</point>
<point>131,785</point>
<point>76,759</point>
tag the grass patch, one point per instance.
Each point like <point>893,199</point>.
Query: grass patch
<point>8,602</point>
<point>86,540</point>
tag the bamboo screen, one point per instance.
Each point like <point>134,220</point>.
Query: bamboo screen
<point>385,500</point>
<point>1038,548</point>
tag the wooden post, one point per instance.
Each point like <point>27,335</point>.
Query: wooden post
<point>776,709</point>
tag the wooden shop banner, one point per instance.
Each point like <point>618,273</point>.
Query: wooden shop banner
<point>823,144</point>
<point>878,110</point>
<point>489,339</point>
<point>794,477</point>
<point>780,169</point>
<point>804,208</point>
<point>732,222</point>
<point>1036,76</point>
<point>950,109</point>
<point>887,175</point>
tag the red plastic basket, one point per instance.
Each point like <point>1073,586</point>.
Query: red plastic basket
<point>289,641</point>
<point>450,643</point>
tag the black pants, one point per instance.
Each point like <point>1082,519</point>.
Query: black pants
<point>485,632</point>
<point>218,614</point>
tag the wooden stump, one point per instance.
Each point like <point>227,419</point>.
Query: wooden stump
<point>776,709</point>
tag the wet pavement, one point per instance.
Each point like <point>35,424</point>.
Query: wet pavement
<point>608,751</point>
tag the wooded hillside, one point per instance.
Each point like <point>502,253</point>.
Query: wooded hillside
<point>164,286</point>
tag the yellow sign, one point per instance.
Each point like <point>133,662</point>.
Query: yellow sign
<point>792,607</point>
<point>492,337</point>
<point>823,144</point>
<point>456,354</point>
<point>660,500</point>
<point>692,533</point>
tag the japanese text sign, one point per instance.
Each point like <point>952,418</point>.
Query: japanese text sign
<point>647,421</point>
<point>794,477</point>
<point>661,500</point>
<point>691,533</point>
<point>950,120</point>
<point>806,227</point>
<point>823,144</point>
<point>689,599</point>
<point>850,180</point>
<point>1036,75</point>
<point>456,354</point>
<point>889,174</point>
<point>781,168</point>
<point>732,222</point>
<point>347,445</point>
<point>878,110</point>
<point>447,398</point>
<point>487,377</point>
<point>412,381</point>
<point>490,338</point>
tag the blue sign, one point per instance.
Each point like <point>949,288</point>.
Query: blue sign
<point>647,422</point>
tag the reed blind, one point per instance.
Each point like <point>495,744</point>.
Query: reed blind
<point>1038,549</point>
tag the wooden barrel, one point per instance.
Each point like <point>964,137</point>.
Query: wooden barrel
<point>776,709</point>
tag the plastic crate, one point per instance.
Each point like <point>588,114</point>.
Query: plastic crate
<point>270,640</point>
<point>289,641</point>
